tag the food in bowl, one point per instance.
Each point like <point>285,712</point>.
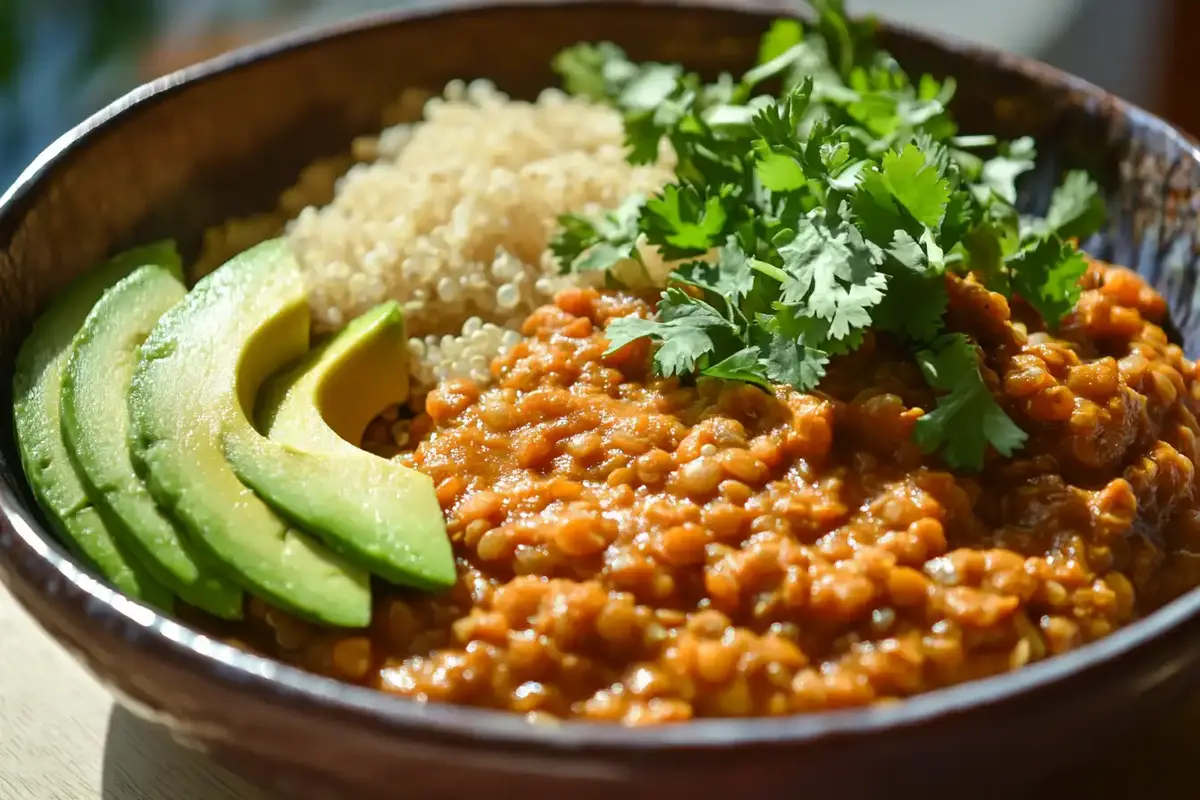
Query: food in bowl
<point>648,401</point>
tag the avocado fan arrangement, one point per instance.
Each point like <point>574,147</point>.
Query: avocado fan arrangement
<point>189,445</point>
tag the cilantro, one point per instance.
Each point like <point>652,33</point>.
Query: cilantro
<point>685,337</point>
<point>788,357</point>
<point>778,50</point>
<point>595,71</point>
<point>916,185</point>
<point>741,366</point>
<point>1046,275</point>
<point>797,223</point>
<point>832,276</point>
<point>1000,173</point>
<point>914,306</point>
<point>583,244</point>
<point>783,35</point>
<point>679,219</point>
<point>1076,208</point>
<point>849,42</point>
<point>780,173</point>
<point>967,418</point>
<point>649,87</point>
<point>729,277</point>
<point>985,248</point>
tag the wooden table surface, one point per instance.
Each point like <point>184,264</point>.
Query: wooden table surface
<point>61,738</point>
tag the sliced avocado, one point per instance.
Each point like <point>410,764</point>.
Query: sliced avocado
<point>95,420</point>
<point>325,402</point>
<point>238,324</point>
<point>378,513</point>
<point>53,478</point>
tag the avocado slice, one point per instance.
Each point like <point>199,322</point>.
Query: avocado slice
<point>199,369</point>
<point>325,402</point>
<point>95,420</point>
<point>53,477</point>
<point>380,514</point>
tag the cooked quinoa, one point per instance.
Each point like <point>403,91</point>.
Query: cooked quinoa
<point>451,216</point>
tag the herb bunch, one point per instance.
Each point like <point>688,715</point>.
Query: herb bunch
<point>796,222</point>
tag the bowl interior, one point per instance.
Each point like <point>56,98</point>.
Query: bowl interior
<point>225,138</point>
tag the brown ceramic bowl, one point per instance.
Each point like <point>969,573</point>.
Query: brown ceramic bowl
<point>224,138</point>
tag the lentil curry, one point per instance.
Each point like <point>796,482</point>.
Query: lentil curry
<point>634,549</point>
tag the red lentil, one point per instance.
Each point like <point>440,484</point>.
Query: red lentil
<point>634,549</point>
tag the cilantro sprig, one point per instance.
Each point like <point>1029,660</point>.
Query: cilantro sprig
<point>800,220</point>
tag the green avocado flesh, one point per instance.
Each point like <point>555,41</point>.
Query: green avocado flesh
<point>53,476</point>
<point>95,421</point>
<point>199,369</point>
<point>326,401</point>
<point>378,513</point>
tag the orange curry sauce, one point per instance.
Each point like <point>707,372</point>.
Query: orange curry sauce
<point>639,550</point>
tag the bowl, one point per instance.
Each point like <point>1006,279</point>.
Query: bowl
<point>225,137</point>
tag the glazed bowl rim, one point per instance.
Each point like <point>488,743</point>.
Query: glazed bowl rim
<point>242,671</point>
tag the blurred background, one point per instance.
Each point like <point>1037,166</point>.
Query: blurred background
<point>62,59</point>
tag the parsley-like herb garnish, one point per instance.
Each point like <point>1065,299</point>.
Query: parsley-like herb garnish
<point>797,222</point>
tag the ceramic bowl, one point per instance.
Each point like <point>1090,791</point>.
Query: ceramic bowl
<point>225,137</point>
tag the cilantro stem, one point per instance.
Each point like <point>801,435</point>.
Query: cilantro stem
<point>769,270</point>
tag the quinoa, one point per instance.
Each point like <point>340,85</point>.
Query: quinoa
<point>451,216</point>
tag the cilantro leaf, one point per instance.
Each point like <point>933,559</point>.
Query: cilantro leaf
<point>586,244</point>
<point>729,276</point>
<point>1000,173</point>
<point>783,35</point>
<point>594,71</point>
<point>967,419</point>
<point>685,332</point>
<point>831,275</point>
<point>649,87</point>
<point>1046,275</point>
<point>777,124</point>
<point>780,173</point>
<point>682,349</point>
<point>603,72</point>
<point>973,141</point>
<point>646,127</point>
<point>643,132</point>
<point>575,234</point>
<point>793,364</point>
<point>984,245</point>
<point>741,366</point>
<point>602,256</point>
<point>735,118</point>
<point>680,218</point>
<point>778,50</point>
<point>916,185</point>
<point>788,357</point>
<point>961,216</point>
<point>1076,207</point>
<point>849,41</point>
<point>678,305</point>
<point>623,330</point>
<point>914,306</point>
<point>682,344</point>
<point>907,251</point>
